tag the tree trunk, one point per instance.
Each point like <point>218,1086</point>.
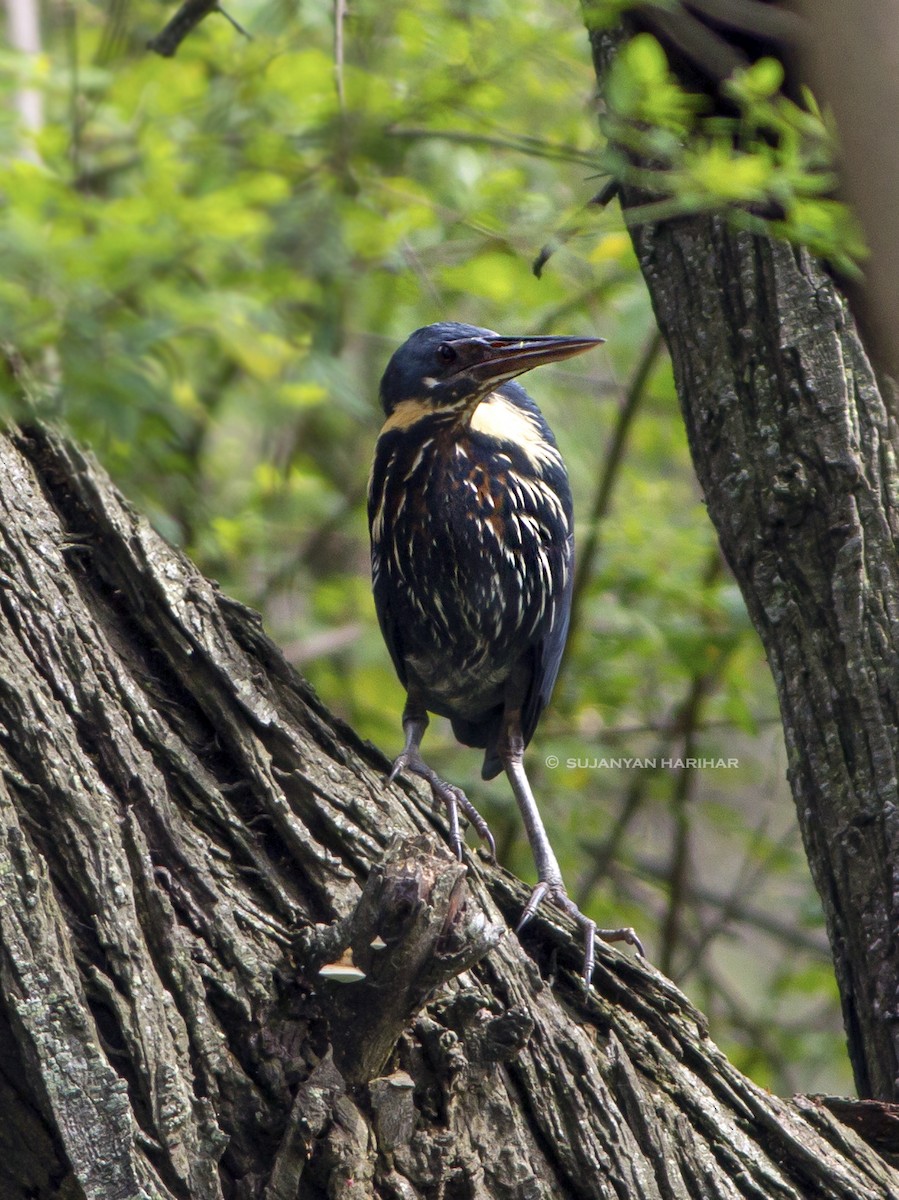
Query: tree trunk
<point>234,963</point>
<point>796,453</point>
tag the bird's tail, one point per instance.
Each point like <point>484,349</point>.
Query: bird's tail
<point>492,764</point>
<point>482,733</point>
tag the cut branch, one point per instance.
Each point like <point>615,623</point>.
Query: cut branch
<point>412,931</point>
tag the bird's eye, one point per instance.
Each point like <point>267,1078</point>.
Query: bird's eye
<point>446,352</point>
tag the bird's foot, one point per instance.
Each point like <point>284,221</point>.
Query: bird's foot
<point>451,797</point>
<point>555,893</point>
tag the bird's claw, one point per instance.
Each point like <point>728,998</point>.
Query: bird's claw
<point>556,894</point>
<point>399,765</point>
<point>451,797</point>
<point>532,905</point>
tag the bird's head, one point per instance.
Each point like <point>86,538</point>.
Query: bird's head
<point>453,367</point>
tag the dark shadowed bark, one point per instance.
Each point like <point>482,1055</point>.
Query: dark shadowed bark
<point>235,964</point>
<point>796,452</point>
<point>851,56</point>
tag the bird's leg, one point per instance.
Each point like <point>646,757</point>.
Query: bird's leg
<point>415,722</point>
<point>550,886</point>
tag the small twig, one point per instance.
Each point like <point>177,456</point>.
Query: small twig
<point>683,724</point>
<point>524,145</point>
<point>185,20</point>
<point>735,907</point>
<point>75,90</point>
<point>413,258</point>
<point>682,792</point>
<point>750,876</point>
<point>572,228</point>
<point>602,855</point>
<point>622,732</point>
<point>234,22</point>
<point>339,17</point>
<point>608,477</point>
<point>606,194</point>
<point>679,883</point>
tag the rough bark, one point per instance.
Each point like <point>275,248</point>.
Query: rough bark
<point>796,453</point>
<point>185,839</point>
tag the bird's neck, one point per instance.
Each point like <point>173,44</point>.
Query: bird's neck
<point>495,424</point>
<point>502,423</point>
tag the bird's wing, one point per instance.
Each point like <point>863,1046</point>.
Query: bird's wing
<point>390,627</point>
<point>380,580</point>
<point>545,659</point>
<point>548,651</point>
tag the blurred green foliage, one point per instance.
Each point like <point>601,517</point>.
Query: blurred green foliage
<point>209,259</point>
<point>770,166</point>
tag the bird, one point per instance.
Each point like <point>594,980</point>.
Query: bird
<point>472,551</point>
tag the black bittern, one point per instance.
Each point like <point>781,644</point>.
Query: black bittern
<point>470,514</point>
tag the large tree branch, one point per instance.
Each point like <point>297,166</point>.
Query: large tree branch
<point>797,456</point>
<point>185,838</point>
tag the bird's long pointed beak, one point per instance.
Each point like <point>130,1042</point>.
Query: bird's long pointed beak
<point>496,359</point>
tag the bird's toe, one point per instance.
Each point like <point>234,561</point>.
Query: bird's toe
<point>399,765</point>
<point>556,895</point>
<point>455,801</point>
